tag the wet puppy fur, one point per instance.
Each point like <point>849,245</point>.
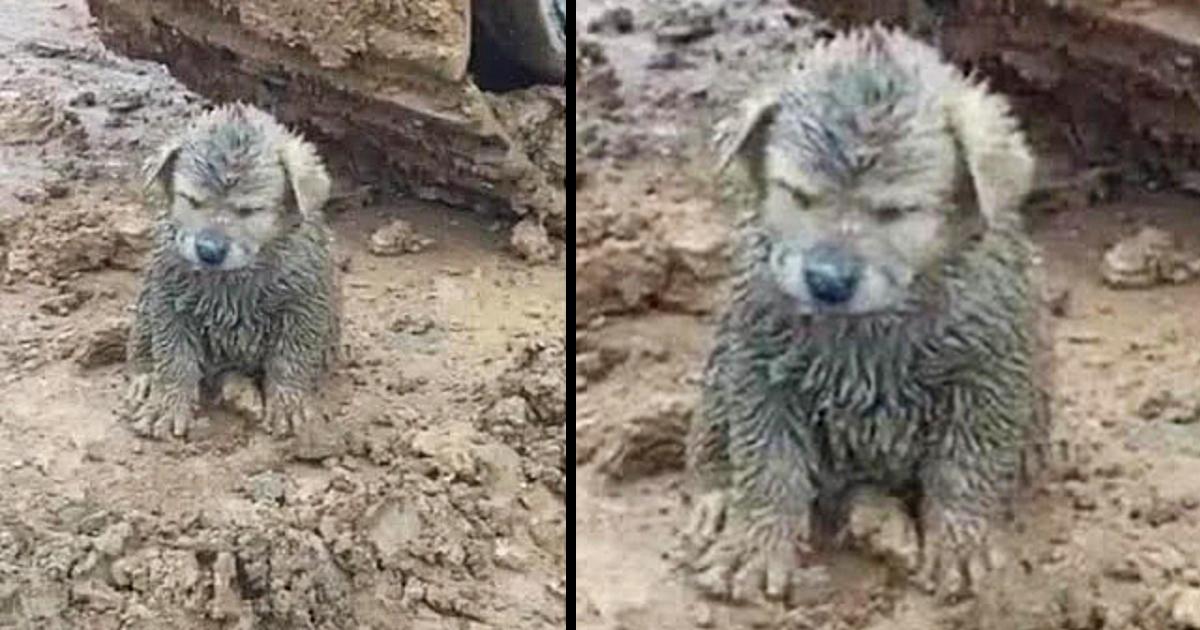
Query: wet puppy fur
<point>241,278</point>
<point>883,327</point>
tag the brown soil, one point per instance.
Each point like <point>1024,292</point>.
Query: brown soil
<point>434,501</point>
<point>1109,541</point>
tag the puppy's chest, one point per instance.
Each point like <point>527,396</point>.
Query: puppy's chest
<point>865,411</point>
<point>233,325</point>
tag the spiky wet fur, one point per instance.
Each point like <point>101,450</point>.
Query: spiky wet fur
<point>941,401</point>
<point>275,320</point>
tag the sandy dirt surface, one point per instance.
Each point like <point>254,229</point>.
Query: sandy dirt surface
<point>436,497</point>
<point>1109,541</point>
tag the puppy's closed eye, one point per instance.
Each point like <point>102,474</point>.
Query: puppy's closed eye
<point>887,214</point>
<point>801,199</point>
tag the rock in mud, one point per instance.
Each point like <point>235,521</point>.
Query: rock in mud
<point>242,396</point>
<point>105,345</point>
<point>507,413</point>
<point>450,453</point>
<point>880,526</point>
<point>29,119</point>
<point>614,21</point>
<point>643,444</point>
<point>318,441</point>
<point>226,603</point>
<point>114,540</point>
<point>268,488</point>
<point>1149,258</point>
<point>538,375</point>
<point>594,365</point>
<point>1185,611</point>
<point>686,25</point>
<point>1165,404</point>
<point>527,412</point>
<point>531,242</point>
<point>669,60</point>
<point>396,238</point>
<point>96,596</point>
<point>66,302</point>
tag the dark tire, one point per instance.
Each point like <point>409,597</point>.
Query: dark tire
<point>532,33</point>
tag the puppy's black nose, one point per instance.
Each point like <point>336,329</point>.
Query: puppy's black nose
<point>211,247</point>
<point>832,273</point>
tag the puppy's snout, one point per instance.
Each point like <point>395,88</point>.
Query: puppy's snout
<point>832,273</point>
<point>211,247</point>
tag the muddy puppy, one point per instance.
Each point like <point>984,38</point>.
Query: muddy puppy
<point>241,280</point>
<point>883,330</point>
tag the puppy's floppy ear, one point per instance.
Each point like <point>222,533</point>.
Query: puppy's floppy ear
<point>159,170</point>
<point>993,149</point>
<point>743,136</point>
<point>306,176</point>
<point>965,198</point>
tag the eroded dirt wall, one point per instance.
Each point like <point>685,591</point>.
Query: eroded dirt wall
<point>1119,80</point>
<point>381,86</point>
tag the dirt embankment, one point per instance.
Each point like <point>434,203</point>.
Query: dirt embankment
<point>1116,81</point>
<point>437,498</point>
<point>383,87</point>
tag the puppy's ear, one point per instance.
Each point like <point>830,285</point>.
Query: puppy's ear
<point>306,176</point>
<point>993,150</point>
<point>159,170</point>
<point>743,136</point>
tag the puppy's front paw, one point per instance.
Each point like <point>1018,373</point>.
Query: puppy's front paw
<point>158,414</point>
<point>137,393</point>
<point>958,554</point>
<point>289,412</point>
<point>705,522</point>
<point>749,561</point>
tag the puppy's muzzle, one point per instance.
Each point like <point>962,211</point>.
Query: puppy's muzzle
<point>832,273</point>
<point>211,247</point>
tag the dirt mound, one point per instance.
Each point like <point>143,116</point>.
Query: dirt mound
<point>26,119</point>
<point>528,412</point>
<point>48,246</point>
<point>642,244</point>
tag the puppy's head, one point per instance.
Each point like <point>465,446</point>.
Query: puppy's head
<point>873,165</point>
<point>236,182</point>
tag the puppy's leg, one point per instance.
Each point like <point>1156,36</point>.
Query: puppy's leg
<point>169,395</point>
<point>709,468</point>
<point>965,485</point>
<point>139,349</point>
<point>295,366</point>
<point>758,545</point>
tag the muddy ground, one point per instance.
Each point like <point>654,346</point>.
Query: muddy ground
<point>435,497</point>
<point>1108,542</point>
